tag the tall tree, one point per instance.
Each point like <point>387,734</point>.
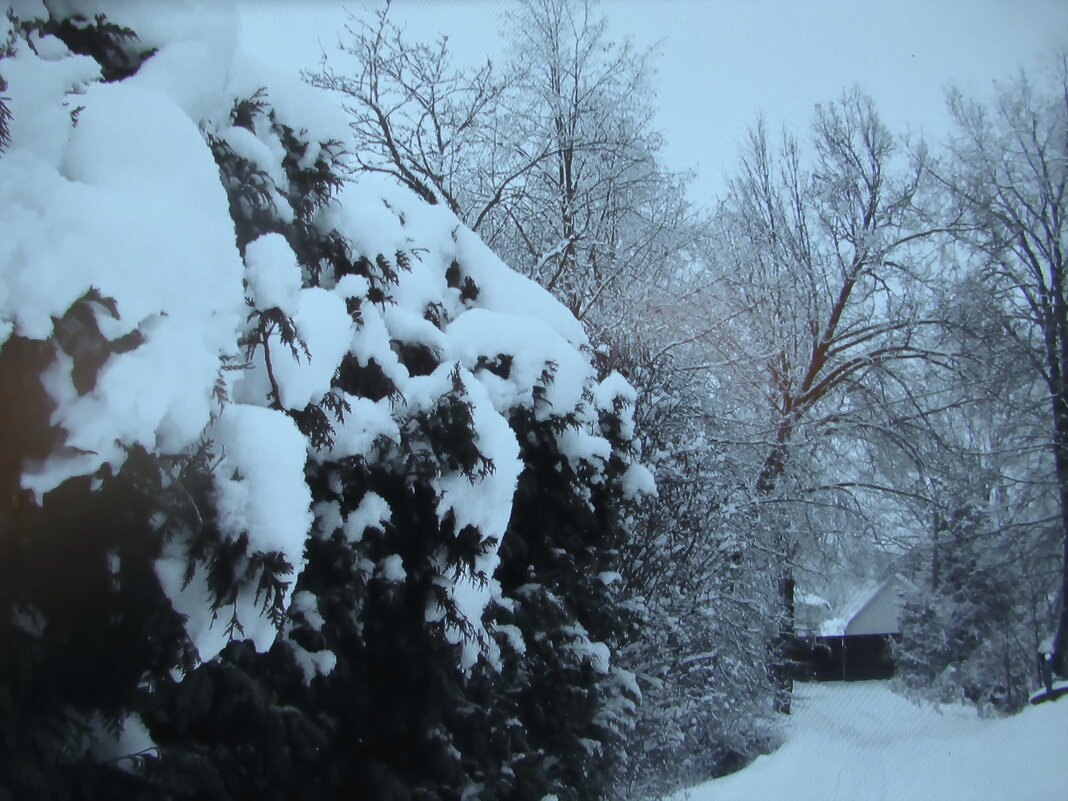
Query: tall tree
<point>1007,176</point>
<point>436,128</point>
<point>824,260</point>
<point>598,220</point>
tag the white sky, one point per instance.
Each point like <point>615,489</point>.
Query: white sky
<point>723,62</point>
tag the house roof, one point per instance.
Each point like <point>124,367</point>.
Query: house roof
<point>881,614</point>
<point>875,611</point>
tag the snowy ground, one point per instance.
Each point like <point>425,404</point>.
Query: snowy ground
<point>860,741</point>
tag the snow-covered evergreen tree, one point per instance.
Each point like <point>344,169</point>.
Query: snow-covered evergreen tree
<point>296,470</point>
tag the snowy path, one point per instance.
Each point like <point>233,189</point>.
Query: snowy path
<point>859,741</point>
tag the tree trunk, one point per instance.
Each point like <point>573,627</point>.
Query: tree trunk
<point>782,644</point>
<point>782,663</point>
<point>1060,638</point>
<point>1056,336</point>
<point>936,564</point>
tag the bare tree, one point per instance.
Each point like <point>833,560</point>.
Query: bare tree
<point>825,258</point>
<point>1007,176</point>
<point>598,220</point>
<point>435,128</point>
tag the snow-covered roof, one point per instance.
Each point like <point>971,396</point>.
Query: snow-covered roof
<point>875,611</point>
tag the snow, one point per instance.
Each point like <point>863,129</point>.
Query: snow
<point>30,79</point>
<point>28,9</point>
<point>867,608</point>
<point>533,346</point>
<point>314,663</point>
<point>305,605</point>
<point>259,482</point>
<point>837,616</point>
<point>372,511</point>
<point>391,569</point>
<point>271,268</point>
<point>512,635</point>
<point>195,43</point>
<point>408,326</point>
<point>366,421</point>
<point>134,156</point>
<point>579,444</point>
<point>260,492</point>
<point>638,480</point>
<point>372,226</point>
<point>861,741</point>
<point>296,104</point>
<point>834,627</point>
<point>324,328</point>
<point>812,599</point>
<point>482,500</point>
<point>304,609</point>
<point>596,654</point>
<point>501,289</point>
<point>612,390</point>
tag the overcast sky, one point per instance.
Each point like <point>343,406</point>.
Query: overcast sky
<point>720,63</point>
